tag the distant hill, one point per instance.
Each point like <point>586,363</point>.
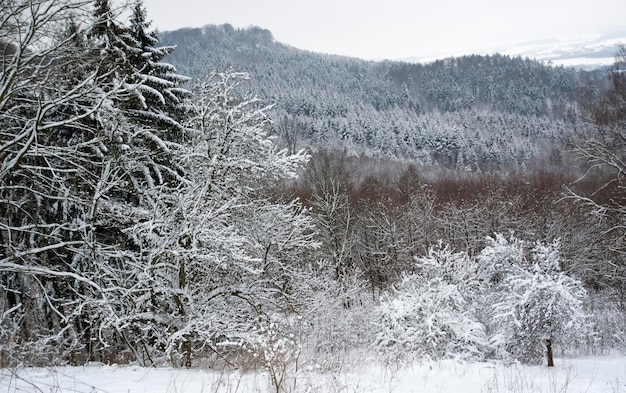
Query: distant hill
<point>471,113</point>
<point>587,53</point>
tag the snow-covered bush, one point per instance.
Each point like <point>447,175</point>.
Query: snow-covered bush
<point>607,322</point>
<point>429,314</point>
<point>275,352</point>
<point>507,302</point>
<point>339,333</point>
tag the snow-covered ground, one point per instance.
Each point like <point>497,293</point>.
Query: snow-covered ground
<point>585,375</point>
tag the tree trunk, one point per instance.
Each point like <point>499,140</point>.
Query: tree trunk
<point>549,351</point>
<point>187,352</point>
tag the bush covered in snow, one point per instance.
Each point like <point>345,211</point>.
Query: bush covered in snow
<point>430,312</point>
<point>505,302</point>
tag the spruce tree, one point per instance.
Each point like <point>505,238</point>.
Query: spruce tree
<point>150,101</point>
<point>159,97</point>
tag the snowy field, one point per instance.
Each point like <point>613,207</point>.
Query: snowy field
<point>584,375</point>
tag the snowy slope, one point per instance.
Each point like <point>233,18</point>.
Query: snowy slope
<point>579,52</point>
<point>586,52</point>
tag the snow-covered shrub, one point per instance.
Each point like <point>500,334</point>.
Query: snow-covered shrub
<point>429,314</point>
<point>607,322</point>
<point>334,321</point>
<point>500,257</point>
<point>274,351</point>
<point>532,299</point>
<point>339,334</point>
<point>506,302</point>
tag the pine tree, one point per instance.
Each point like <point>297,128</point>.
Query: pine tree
<point>159,97</point>
<point>155,96</point>
<point>150,100</point>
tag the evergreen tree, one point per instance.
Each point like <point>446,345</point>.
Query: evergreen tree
<point>151,99</point>
<point>159,96</point>
<point>155,96</point>
<point>77,171</point>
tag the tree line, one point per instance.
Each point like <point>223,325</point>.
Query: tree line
<point>477,113</point>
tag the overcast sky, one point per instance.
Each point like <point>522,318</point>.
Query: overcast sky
<point>396,29</point>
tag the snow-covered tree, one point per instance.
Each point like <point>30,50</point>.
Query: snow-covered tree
<point>330,207</point>
<point>158,98</point>
<point>76,172</point>
<point>534,303</point>
<point>52,177</point>
<point>603,149</point>
<point>219,255</point>
<point>153,98</point>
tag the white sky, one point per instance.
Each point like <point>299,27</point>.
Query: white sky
<point>395,29</point>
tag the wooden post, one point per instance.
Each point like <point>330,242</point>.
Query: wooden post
<point>549,349</point>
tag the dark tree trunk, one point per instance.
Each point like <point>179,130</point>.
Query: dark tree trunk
<point>187,352</point>
<point>549,351</point>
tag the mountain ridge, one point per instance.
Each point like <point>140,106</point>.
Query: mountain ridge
<point>478,112</point>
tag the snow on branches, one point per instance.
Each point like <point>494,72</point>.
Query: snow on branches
<point>430,315</point>
<point>219,255</point>
<point>533,301</point>
<point>505,302</point>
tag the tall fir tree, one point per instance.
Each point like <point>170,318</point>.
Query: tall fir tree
<point>152,101</point>
<point>154,88</point>
<point>159,100</point>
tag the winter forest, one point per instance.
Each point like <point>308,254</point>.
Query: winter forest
<point>216,199</point>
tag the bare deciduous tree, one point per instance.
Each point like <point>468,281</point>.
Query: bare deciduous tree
<point>604,149</point>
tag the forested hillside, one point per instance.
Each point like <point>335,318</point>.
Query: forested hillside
<point>471,113</point>
<point>154,219</point>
